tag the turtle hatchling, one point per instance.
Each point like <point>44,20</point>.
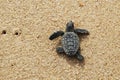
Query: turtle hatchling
<point>70,40</point>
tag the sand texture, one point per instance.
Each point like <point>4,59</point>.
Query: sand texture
<point>26,53</point>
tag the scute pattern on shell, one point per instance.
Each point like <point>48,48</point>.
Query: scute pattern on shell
<point>70,43</point>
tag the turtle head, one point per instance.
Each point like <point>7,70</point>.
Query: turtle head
<point>70,26</point>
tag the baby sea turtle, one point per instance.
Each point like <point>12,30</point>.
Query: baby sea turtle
<point>70,40</point>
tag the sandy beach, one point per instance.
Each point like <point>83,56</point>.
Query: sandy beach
<point>26,53</point>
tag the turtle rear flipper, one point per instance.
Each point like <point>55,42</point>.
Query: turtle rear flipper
<point>79,56</point>
<point>59,50</point>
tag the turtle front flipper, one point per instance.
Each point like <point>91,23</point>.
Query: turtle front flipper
<point>59,50</point>
<point>81,31</point>
<point>79,56</point>
<point>56,34</point>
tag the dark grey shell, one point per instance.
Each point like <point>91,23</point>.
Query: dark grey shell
<point>70,43</point>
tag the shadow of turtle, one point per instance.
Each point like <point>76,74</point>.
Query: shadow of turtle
<point>72,60</point>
